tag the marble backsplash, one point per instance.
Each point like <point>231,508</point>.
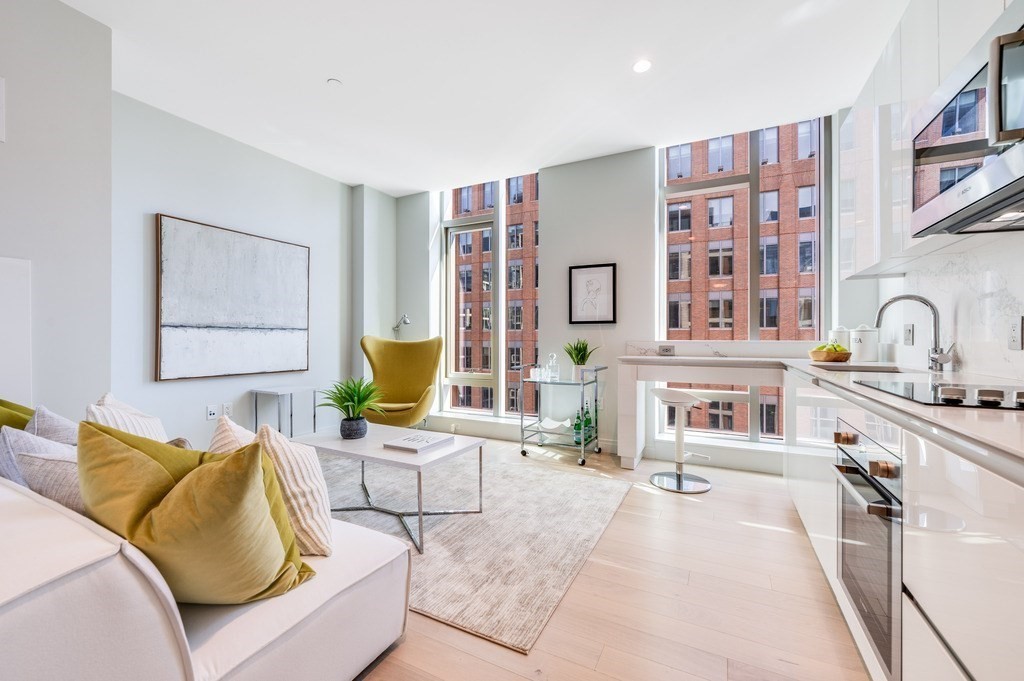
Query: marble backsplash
<point>978,293</point>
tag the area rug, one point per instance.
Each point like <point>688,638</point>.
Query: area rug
<point>499,574</point>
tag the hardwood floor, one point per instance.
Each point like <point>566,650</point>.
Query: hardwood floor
<point>722,586</point>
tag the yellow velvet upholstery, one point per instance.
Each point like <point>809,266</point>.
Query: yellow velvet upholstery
<point>406,372</point>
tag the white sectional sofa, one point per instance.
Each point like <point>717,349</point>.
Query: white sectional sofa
<point>79,602</point>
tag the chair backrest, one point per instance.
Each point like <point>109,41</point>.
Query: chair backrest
<point>402,369</point>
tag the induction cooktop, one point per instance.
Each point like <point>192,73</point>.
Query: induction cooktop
<point>953,394</point>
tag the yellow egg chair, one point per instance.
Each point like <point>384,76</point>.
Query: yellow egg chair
<point>406,372</point>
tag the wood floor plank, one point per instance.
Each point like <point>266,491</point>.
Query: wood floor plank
<point>717,587</point>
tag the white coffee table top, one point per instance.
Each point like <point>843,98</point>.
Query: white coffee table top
<point>371,447</point>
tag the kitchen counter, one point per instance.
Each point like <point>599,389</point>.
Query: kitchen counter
<point>991,438</point>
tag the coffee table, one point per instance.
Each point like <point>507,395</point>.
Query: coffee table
<point>371,448</point>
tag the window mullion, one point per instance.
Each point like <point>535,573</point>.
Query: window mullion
<point>499,299</point>
<point>754,242</point>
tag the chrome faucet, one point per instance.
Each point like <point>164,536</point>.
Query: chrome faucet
<point>936,355</point>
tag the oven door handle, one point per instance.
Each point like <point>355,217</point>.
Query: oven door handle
<point>870,507</point>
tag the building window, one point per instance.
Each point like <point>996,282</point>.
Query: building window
<point>515,236</point>
<point>720,212</point>
<point>466,278</point>
<point>679,217</point>
<point>769,255</point>
<point>515,190</point>
<point>485,276</point>
<point>515,356</point>
<point>485,359</point>
<point>467,357</point>
<point>770,206</point>
<point>515,275</point>
<point>948,177</point>
<point>805,307</point>
<point>465,243</point>
<point>823,423</point>
<point>485,316</point>
<point>847,195</point>
<point>515,315</point>
<point>536,233</point>
<point>807,252</point>
<point>487,398</point>
<point>769,414</point>
<point>466,316</point>
<point>679,262</point>
<point>536,186</point>
<point>464,199</point>
<point>808,200</point>
<point>678,161</point>
<point>720,259</point>
<point>485,238</point>
<point>536,318</point>
<point>720,309</point>
<point>720,154</point>
<point>807,139</point>
<point>769,144</point>
<point>488,195</point>
<point>770,309</point>
<point>463,396</point>
<point>960,116</point>
<point>536,274</point>
<point>679,311</point>
<point>720,415</point>
<point>513,399</point>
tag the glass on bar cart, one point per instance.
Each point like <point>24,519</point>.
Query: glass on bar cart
<point>553,372</point>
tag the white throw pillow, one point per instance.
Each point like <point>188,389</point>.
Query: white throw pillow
<point>304,490</point>
<point>300,476</point>
<point>229,436</point>
<point>45,423</point>
<point>111,412</point>
<point>48,468</point>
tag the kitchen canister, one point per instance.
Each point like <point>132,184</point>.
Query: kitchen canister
<point>864,344</point>
<point>840,335</point>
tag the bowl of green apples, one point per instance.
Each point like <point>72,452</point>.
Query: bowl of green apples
<point>830,352</point>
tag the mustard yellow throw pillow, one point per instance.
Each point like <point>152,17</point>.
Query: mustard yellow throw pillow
<point>14,415</point>
<point>215,525</point>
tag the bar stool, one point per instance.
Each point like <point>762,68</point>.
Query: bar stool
<point>677,480</point>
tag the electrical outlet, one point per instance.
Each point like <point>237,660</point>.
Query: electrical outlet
<point>666,350</point>
<point>212,412</point>
<point>227,409</point>
<point>1014,341</point>
<point>908,334</point>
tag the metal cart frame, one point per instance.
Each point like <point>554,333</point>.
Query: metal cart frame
<point>533,432</point>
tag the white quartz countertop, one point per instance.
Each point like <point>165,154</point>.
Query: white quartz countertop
<point>1001,430</point>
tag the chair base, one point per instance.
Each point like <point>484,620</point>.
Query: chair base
<point>683,483</point>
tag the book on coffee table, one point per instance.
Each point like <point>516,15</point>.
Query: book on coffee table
<point>418,442</point>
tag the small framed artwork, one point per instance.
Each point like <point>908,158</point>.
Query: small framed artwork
<point>592,294</point>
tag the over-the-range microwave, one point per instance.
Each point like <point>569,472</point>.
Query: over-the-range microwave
<point>969,140</point>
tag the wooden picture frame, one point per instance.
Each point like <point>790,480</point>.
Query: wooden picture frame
<point>229,303</point>
<point>592,295</point>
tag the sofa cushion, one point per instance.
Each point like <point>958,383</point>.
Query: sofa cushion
<point>15,407</point>
<point>109,411</point>
<point>45,423</point>
<point>13,419</point>
<point>363,596</point>
<point>215,525</point>
<point>54,474</point>
<point>302,481</point>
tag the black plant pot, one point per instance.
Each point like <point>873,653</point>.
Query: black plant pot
<point>353,429</point>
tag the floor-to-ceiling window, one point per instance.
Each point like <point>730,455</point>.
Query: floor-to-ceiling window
<point>493,238</point>
<point>742,241</point>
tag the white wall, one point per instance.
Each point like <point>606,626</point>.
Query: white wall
<point>163,164</point>
<point>602,210</point>
<point>374,262</point>
<point>419,279</point>
<point>55,178</point>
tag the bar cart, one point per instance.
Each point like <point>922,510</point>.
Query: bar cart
<point>545,432</point>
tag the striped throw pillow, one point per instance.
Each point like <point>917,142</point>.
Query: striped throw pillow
<point>114,413</point>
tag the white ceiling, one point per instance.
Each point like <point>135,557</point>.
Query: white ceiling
<point>441,93</point>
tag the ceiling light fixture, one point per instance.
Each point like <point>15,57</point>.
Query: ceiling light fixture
<point>333,82</point>
<point>642,66</point>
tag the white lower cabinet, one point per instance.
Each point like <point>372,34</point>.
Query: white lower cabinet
<point>925,658</point>
<point>963,558</point>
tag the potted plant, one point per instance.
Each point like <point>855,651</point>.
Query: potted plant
<point>352,398</point>
<point>579,354</point>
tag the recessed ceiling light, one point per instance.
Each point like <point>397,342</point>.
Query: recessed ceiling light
<point>333,82</point>
<point>642,66</point>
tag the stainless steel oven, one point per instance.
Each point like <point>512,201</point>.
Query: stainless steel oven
<point>871,539</point>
